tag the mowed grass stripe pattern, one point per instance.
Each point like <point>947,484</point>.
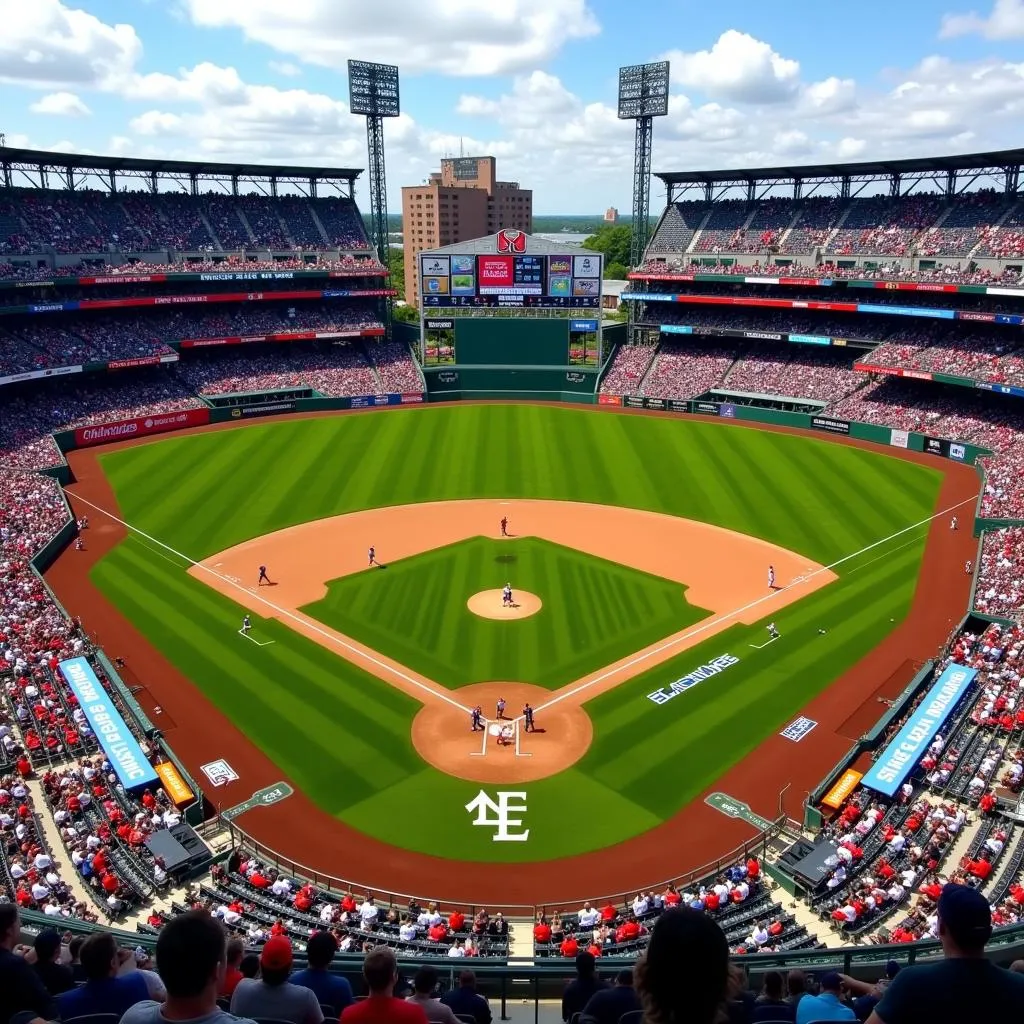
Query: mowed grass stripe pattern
<point>298,702</point>
<point>594,612</point>
<point>206,492</point>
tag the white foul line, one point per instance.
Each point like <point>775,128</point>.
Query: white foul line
<point>709,623</point>
<point>308,623</point>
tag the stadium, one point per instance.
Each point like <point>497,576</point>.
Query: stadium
<point>763,543</point>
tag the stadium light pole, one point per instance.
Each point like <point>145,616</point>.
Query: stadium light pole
<point>373,94</point>
<point>643,96</point>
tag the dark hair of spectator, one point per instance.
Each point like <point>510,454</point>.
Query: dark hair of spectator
<point>189,949</point>
<point>683,977</point>
<point>379,968</point>
<point>625,977</point>
<point>467,979</point>
<point>320,950</point>
<point>796,982</point>
<point>773,985</point>
<point>275,975</point>
<point>585,964</point>
<point>8,916</point>
<point>98,952</point>
<point>75,946</point>
<point>236,950</point>
<point>425,980</point>
<point>249,966</point>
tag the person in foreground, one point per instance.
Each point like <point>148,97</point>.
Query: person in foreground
<point>330,989</point>
<point>683,976</point>
<point>272,995</point>
<point>607,1005</point>
<point>103,991</point>
<point>466,1000</point>
<point>964,985</point>
<point>21,991</point>
<point>827,1005</point>
<point>191,956</point>
<point>424,984</point>
<point>381,1006</point>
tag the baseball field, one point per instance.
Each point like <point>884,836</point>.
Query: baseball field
<point>646,542</point>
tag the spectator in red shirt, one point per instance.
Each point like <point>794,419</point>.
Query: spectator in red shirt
<point>232,975</point>
<point>542,931</point>
<point>380,970</point>
<point>570,947</point>
<point>456,921</point>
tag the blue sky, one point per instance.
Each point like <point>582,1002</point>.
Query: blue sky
<point>531,81</point>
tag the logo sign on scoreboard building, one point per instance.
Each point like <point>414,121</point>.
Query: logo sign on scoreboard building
<point>511,275</point>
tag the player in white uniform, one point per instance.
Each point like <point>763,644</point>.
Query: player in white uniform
<point>771,577</point>
<point>246,626</point>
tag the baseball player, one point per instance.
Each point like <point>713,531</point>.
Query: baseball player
<point>501,708</point>
<point>772,631</point>
<point>373,557</point>
<point>968,566</point>
<point>505,736</point>
<point>504,526</point>
<point>263,577</point>
<point>246,626</point>
<point>953,523</point>
<point>528,718</point>
<point>477,718</point>
<point>771,577</point>
<point>506,596</point>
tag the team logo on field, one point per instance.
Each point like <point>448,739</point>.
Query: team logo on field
<point>497,813</point>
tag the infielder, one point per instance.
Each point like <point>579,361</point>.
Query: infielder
<point>246,626</point>
<point>771,577</point>
<point>373,557</point>
<point>504,526</point>
<point>772,631</point>
<point>477,717</point>
<point>528,717</point>
<point>263,577</point>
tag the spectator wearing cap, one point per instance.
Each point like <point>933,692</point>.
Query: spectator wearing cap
<point>190,952</point>
<point>55,976</point>
<point>607,1005</point>
<point>272,995</point>
<point>827,1005</point>
<point>578,992</point>
<point>103,991</point>
<point>466,1001</point>
<point>330,989</point>
<point>952,990</point>
<point>424,984</point>
<point>381,1005</point>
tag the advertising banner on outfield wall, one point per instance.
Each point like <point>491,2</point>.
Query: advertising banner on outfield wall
<point>131,766</point>
<point>831,425</point>
<point>603,399</point>
<point>708,408</point>
<point>174,785</point>
<point>936,446</point>
<point>633,401</point>
<point>677,405</point>
<point>845,785</point>
<point>899,438</point>
<point>141,426</point>
<point>900,757</point>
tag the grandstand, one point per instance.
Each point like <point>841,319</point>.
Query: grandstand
<point>956,379</point>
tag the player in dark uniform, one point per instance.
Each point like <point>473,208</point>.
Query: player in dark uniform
<point>263,577</point>
<point>246,625</point>
<point>528,715</point>
<point>504,526</point>
<point>500,708</point>
<point>477,716</point>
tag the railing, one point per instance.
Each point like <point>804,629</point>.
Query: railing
<point>758,844</point>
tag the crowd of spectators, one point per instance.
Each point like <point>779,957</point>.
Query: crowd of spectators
<point>87,221</point>
<point>627,370</point>
<point>686,369</point>
<point>995,357</point>
<point>1000,587</point>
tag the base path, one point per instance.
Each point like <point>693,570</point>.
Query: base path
<point>302,560</point>
<point>690,842</point>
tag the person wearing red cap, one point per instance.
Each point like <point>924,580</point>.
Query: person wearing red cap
<point>272,995</point>
<point>380,971</point>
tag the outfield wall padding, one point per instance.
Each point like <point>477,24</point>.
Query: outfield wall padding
<point>547,383</point>
<point>493,341</point>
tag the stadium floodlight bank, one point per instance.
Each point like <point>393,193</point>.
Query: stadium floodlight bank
<point>373,89</point>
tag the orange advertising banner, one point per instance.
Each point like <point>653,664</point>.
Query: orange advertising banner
<point>176,787</point>
<point>834,798</point>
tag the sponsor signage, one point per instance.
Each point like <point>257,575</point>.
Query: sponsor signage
<point>435,266</point>
<point>174,785</point>
<point>675,329</point>
<point>411,399</point>
<point>435,286</point>
<point>633,401</point>
<point>140,426</point>
<point>603,399</point>
<point>677,405</point>
<point>845,785</point>
<point>798,729</point>
<point>369,332</point>
<point>901,756</point>
<point>130,764</point>
<point>810,339</point>
<point>495,274</point>
<point>583,325</point>
<point>219,772</point>
<point>126,364</point>
<point>440,325</point>
<point>448,376</point>
<point>832,426</point>
<point>899,438</point>
<point>711,408</point>
<point>1001,389</point>
<point>698,675</point>
<point>586,266</point>
<point>263,408</point>
<point>728,410</point>
<point>656,403</point>
<point>958,452</point>
<point>575,378</point>
<point>586,286</point>
<point>763,335</point>
<point>55,371</point>
<point>936,446</point>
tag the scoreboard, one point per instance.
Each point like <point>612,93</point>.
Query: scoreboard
<point>571,281</point>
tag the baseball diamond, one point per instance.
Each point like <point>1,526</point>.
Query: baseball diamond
<point>649,571</point>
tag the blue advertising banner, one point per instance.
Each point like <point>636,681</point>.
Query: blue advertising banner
<point>900,757</point>
<point>937,314</point>
<point>675,329</point>
<point>650,297</point>
<point>1002,389</point>
<point>810,339</point>
<point>582,325</point>
<point>120,746</point>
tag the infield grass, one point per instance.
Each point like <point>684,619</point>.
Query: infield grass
<point>203,493</point>
<point>594,612</point>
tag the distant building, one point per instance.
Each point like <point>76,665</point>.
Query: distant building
<point>465,200</point>
<point>611,215</point>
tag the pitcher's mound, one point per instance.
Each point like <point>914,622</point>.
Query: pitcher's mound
<point>488,605</point>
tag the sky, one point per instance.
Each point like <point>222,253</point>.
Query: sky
<point>532,82</point>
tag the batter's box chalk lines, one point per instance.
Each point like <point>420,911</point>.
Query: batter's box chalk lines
<point>258,643</point>
<point>283,613</point>
<point>716,620</point>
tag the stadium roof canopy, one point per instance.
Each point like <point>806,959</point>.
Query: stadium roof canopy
<point>953,173</point>
<point>35,167</point>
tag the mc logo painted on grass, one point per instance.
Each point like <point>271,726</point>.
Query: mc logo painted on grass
<point>698,675</point>
<point>497,813</point>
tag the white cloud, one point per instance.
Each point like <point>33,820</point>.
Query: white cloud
<point>457,37</point>
<point>60,104</point>
<point>1005,22</point>
<point>46,45</point>
<point>739,68</point>
<point>284,67</point>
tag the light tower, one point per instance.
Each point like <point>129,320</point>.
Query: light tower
<point>643,96</point>
<point>373,94</point>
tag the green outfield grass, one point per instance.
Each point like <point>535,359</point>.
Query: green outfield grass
<point>345,739</point>
<point>594,612</point>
